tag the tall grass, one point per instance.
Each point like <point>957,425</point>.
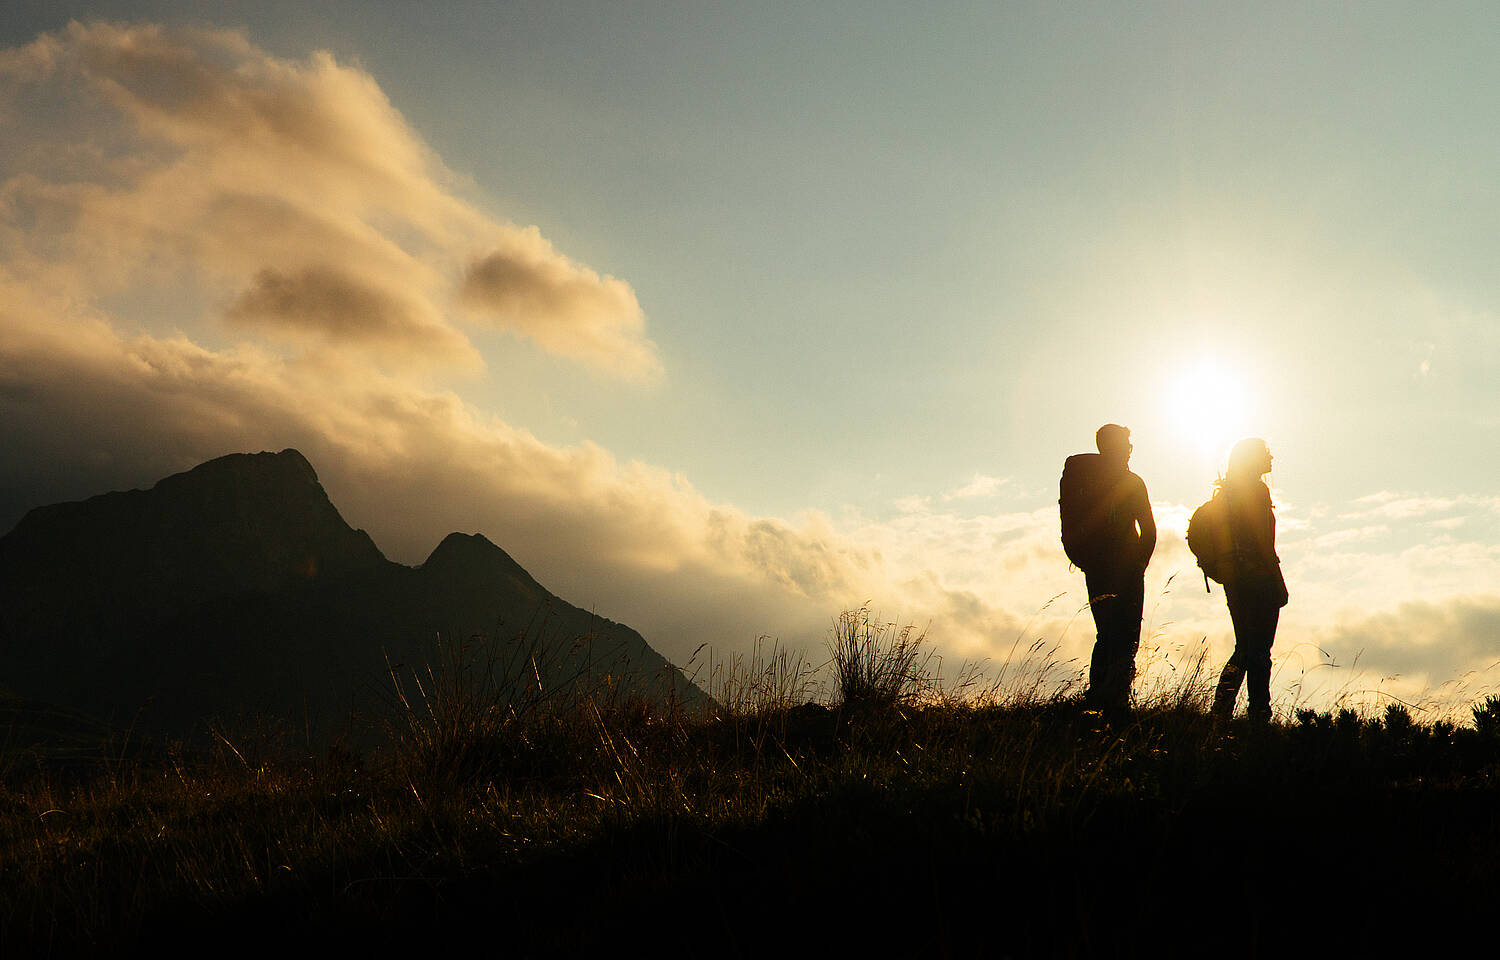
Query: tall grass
<point>479,709</point>
<point>561,823</point>
<point>462,718</point>
<point>770,677</point>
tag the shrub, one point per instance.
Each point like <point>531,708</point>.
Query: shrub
<point>877,664</point>
<point>1398,721</point>
<point>1348,723</point>
<point>1487,717</point>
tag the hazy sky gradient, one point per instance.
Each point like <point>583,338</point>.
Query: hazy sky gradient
<point>722,317</point>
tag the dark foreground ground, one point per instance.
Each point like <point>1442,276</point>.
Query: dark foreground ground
<point>952,830</point>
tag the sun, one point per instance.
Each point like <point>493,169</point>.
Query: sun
<point>1209,406</point>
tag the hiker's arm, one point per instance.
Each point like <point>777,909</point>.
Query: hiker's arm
<point>1147,524</point>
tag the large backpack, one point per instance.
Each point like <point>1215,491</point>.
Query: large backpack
<point>1211,540</point>
<point>1085,496</point>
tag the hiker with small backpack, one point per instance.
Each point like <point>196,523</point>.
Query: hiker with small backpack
<point>1108,532</point>
<point>1233,536</point>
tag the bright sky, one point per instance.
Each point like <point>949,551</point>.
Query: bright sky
<point>722,317</point>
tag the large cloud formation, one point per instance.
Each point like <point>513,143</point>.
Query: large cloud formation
<point>289,195</point>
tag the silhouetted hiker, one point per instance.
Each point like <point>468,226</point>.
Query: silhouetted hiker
<point>1253,585</point>
<point>1108,532</point>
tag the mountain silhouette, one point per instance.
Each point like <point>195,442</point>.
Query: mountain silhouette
<point>236,590</point>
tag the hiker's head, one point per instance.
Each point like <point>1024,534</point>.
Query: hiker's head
<point>1250,458</point>
<point>1113,442</point>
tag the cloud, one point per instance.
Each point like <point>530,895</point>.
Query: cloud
<point>979,486</point>
<point>569,309</point>
<point>1404,506</point>
<point>1440,655</point>
<point>1466,628</point>
<point>290,194</point>
<point>915,503</point>
<point>1352,535</point>
<point>336,306</point>
<point>1400,507</point>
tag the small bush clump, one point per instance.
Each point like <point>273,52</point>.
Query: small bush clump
<point>877,665</point>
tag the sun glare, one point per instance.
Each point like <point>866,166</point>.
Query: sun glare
<point>1209,407</point>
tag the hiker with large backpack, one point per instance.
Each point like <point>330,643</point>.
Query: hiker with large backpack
<point>1108,533</point>
<point>1233,536</point>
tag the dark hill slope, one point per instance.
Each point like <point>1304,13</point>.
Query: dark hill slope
<point>237,589</point>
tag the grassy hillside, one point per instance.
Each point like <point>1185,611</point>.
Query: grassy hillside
<point>899,818</point>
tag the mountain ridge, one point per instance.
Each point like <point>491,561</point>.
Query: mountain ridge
<point>236,587</point>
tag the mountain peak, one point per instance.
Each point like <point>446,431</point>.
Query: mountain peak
<point>467,548</point>
<point>475,560</point>
<point>286,467</point>
<point>244,522</point>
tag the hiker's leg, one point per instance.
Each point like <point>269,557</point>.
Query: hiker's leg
<point>1234,671</point>
<point>1101,606</point>
<point>1116,603</point>
<point>1254,609</point>
<point>1227,689</point>
<point>1132,602</point>
<point>1258,659</point>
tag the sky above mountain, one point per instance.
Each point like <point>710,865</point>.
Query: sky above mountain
<point>721,318</point>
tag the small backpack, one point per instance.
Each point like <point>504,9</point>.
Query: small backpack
<point>1084,501</point>
<point>1211,540</point>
